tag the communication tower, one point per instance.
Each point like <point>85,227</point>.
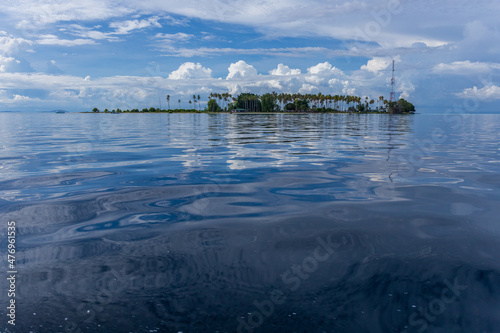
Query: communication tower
<point>393,81</point>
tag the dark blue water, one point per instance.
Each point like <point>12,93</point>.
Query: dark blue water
<point>251,223</point>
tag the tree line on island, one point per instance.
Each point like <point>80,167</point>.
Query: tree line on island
<point>285,102</point>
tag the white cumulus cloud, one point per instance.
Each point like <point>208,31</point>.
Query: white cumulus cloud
<point>308,89</point>
<point>6,62</point>
<point>324,69</point>
<point>378,64</point>
<point>284,70</point>
<point>241,70</point>
<point>322,73</point>
<point>10,44</point>
<point>489,92</point>
<point>190,70</point>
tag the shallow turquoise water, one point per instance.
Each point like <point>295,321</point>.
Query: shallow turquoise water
<point>240,223</point>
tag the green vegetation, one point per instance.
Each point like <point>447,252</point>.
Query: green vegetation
<point>248,102</point>
<point>284,102</point>
<point>268,103</point>
<point>212,106</point>
<point>401,106</point>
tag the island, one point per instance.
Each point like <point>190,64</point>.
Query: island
<point>283,102</point>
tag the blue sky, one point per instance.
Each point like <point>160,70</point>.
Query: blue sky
<point>97,53</point>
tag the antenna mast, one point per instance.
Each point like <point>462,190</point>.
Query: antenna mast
<point>393,81</point>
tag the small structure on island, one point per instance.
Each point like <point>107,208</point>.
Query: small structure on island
<point>238,110</point>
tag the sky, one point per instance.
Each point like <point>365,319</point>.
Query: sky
<point>77,55</point>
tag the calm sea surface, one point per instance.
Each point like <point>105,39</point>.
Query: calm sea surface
<point>251,223</point>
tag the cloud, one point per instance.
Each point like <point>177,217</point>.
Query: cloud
<point>390,24</point>
<point>210,52</point>
<point>404,95</point>
<point>77,93</point>
<point>364,36</point>
<point>167,43</point>
<point>322,72</point>
<point>378,64</point>
<point>190,70</point>
<point>126,27</point>
<point>348,88</point>
<point>241,70</point>
<point>486,93</point>
<point>284,70</point>
<point>465,68</point>
<point>54,40</point>
<point>6,62</point>
<point>406,87</point>
<point>120,28</point>
<point>481,41</point>
<point>21,98</point>
<point>190,78</point>
<point>11,45</point>
<point>308,89</point>
<point>171,38</point>
<point>88,33</point>
<point>14,99</point>
<point>72,92</point>
<point>11,64</point>
<point>324,68</point>
<point>32,15</point>
<point>169,20</point>
<point>209,37</point>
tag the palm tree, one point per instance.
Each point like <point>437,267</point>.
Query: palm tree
<point>219,97</point>
<point>285,98</point>
<point>168,101</point>
<point>179,103</point>
<point>336,102</point>
<point>190,102</point>
<point>280,99</point>
<point>225,97</point>
<point>275,95</point>
<point>349,100</point>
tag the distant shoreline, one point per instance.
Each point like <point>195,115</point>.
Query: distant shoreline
<point>245,113</point>
<point>285,103</point>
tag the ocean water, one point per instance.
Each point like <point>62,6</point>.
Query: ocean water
<point>251,223</point>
